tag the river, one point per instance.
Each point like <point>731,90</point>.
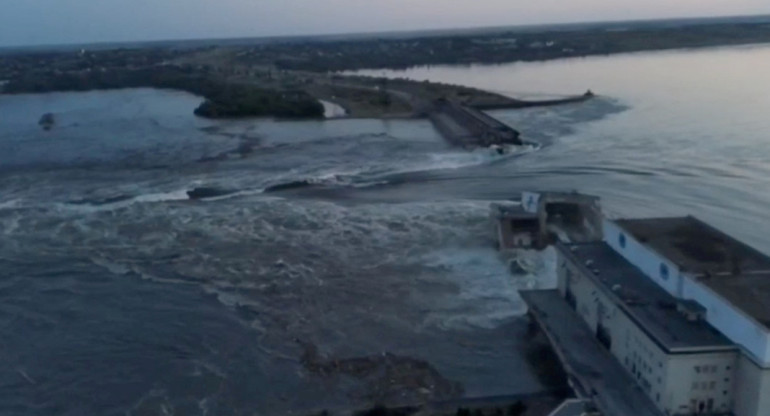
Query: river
<point>118,295</point>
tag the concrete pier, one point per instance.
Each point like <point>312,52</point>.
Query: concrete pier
<point>593,372</point>
<point>467,127</point>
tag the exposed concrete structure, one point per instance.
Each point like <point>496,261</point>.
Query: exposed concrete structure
<point>545,217</point>
<point>593,373</point>
<point>465,126</point>
<point>514,226</point>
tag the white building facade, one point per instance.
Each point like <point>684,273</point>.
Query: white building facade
<point>682,378</point>
<point>716,288</point>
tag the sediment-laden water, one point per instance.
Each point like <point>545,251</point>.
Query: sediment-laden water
<point>340,263</point>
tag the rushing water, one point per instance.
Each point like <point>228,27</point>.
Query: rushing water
<point>118,295</point>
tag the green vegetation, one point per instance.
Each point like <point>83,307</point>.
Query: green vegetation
<point>223,100</point>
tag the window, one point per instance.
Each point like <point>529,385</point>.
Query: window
<point>622,240</point>
<point>712,385</point>
<point>695,385</point>
<point>697,369</point>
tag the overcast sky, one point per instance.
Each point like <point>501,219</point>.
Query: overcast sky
<point>29,22</point>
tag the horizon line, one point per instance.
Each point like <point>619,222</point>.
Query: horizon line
<point>426,32</point>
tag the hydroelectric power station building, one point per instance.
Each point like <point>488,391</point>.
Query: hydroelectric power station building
<point>672,306</point>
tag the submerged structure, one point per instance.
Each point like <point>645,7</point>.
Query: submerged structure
<point>661,316</point>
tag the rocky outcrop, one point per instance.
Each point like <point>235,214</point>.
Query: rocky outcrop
<point>47,121</point>
<point>385,378</point>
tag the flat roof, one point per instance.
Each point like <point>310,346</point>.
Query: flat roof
<point>695,246</point>
<point>652,308</point>
<point>734,270</point>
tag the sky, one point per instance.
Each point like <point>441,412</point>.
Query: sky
<point>41,22</point>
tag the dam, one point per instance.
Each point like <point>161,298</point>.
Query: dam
<point>464,126</point>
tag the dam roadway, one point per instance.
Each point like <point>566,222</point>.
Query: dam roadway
<point>466,126</point>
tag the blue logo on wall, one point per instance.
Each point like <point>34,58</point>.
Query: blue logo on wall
<point>664,272</point>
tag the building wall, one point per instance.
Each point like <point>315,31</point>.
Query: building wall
<point>706,381</point>
<point>734,324</point>
<point>668,379</point>
<point>656,267</point>
<point>730,321</point>
<point>752,389</point>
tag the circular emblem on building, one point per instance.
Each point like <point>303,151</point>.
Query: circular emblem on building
<point>664,271</point>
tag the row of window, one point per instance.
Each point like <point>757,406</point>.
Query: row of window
<point>708,369</point>
<point>704,385</point>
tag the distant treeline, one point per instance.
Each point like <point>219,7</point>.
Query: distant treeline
<point>223,100</point>
<point>510,46</point>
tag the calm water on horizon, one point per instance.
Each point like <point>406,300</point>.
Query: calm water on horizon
<point>120,296</point>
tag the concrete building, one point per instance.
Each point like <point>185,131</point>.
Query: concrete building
<point>693,261</point>
<point>514,226</point>
<point>544,217</point>
<point>682,306</point>
<point>683,364</point>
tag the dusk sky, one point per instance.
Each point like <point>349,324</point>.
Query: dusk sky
<point>29,22</point>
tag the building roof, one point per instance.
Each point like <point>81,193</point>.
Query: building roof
<point>650,306</point>
<point>732,269</point>
<point>695,246</point>
<point>750,292</point>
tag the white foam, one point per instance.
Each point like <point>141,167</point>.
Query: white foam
<point>488,293</point>
<point>12,204</point>
<point>333,110</point>
<point>179,195</point>
<point>459,160</point>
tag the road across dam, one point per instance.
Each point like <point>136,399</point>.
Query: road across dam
<point>464,126</point>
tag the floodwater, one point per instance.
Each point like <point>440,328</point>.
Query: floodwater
<point>119,295</point>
